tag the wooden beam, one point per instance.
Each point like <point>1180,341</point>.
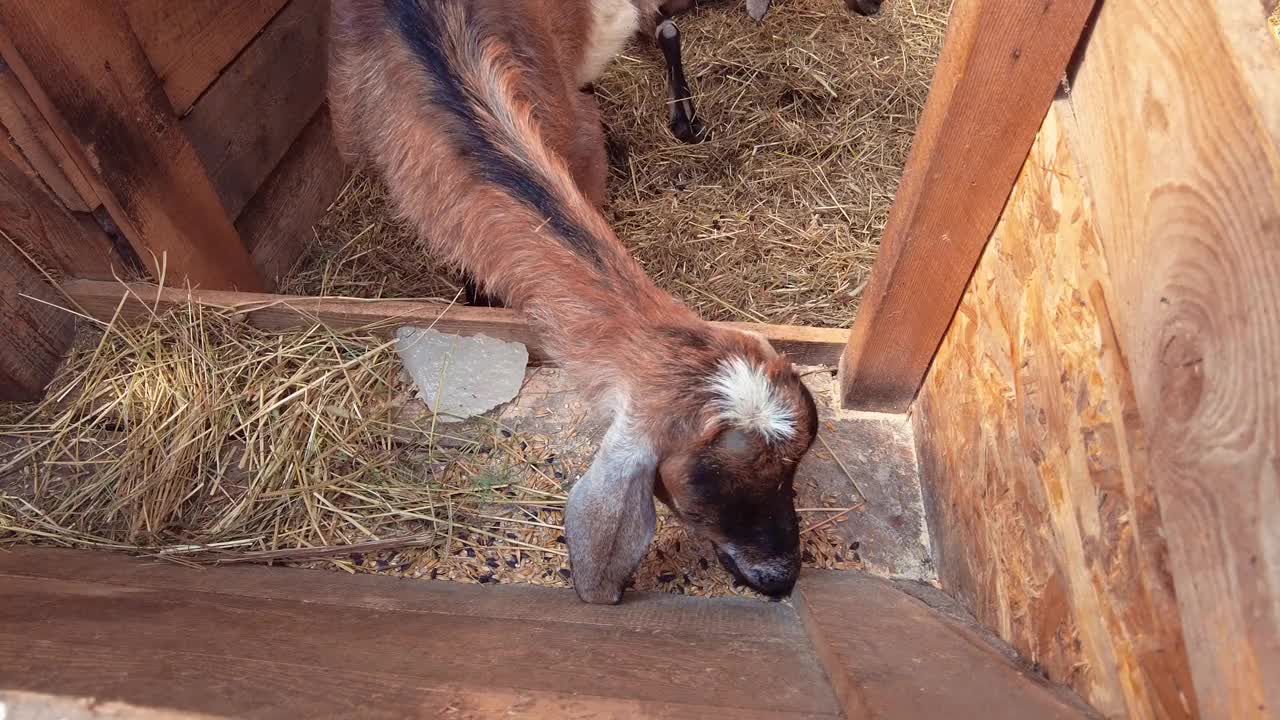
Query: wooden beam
<point>89,77</point>
<point>251,115</point>
<point>804,345</point>
<point>1001,64</point>
<point>190,42</point>
<point>31,133</point>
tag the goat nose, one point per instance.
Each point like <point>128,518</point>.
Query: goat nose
<point>774,584</point>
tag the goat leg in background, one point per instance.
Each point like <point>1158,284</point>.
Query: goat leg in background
<point>757,8</point>
<point>683,120</point>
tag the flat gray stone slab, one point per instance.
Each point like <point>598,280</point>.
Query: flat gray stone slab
<point>459,377</point>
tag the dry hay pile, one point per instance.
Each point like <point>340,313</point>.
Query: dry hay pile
<point>195,436</point>
<point>775,219</point>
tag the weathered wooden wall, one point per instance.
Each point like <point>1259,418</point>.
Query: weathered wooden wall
<point>189,137</point>
<point>1100,429</point>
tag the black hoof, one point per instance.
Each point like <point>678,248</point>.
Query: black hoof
<point>690,132</point>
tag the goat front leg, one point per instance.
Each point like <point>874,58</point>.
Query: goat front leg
<point>610,518</point>
<point>683,120</point>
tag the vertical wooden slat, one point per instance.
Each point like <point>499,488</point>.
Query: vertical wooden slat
<point>1000,66</point>
<point>1177,114</point>
<point>33,335</point>
<point>32,134</point>
<point>33,218</point>
<point>88,75</point>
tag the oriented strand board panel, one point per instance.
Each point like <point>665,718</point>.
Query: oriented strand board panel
<point>1035,462</point>
<point>189,42</point>
<point>1177,110</point>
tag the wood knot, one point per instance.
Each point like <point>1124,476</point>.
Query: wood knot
<point>1181,376</point>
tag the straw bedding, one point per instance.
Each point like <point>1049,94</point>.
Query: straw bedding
<point>775,219</point>
<point>197,437</point>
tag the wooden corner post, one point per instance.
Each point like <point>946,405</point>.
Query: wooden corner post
<point>89,76</point>
<point>1002,62</point>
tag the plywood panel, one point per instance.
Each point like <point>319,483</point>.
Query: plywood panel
<point>190,42</point>
<point>249,118</point>
<point>1177,112</point>
<point>1035,460</point>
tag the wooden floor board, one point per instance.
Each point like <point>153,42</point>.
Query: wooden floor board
<point>650,612</point>
<point>227,649</point>
<point>899,657</point>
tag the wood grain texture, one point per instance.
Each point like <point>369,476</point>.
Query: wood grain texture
<point>803,345</point>
<point>188,648</point>
<point>276,224</point>
<point>33,335</point>
<point>90,79</point>
<point>28,129</point>
<point>190,42</point>
<point>63,244</point>
<point>1177,115</point>
<point>1035,462</point>
<point>249,118</point>
<point>879,662</point>
<point>1001,63</point>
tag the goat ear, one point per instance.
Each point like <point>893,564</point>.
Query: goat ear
<point>609,519</point>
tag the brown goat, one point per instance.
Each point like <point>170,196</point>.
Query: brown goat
<point>471,112</point>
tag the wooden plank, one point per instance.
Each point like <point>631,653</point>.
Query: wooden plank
<point>39,706</point>
<point>249,118</point>
<point>1005,54</point>
<point>804,345</point>
<point>660,613</point>
<point>106,105</point>
<point>276,224</point>
<point>1034,456</point>
<point>901,659</point>
<point>40,146</point>
<point>34,219</point>
<point>33,335</point>
<point>190,42</point>
<point>1182,157</point>
<point>233,687</point>
<point>129,644</point>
